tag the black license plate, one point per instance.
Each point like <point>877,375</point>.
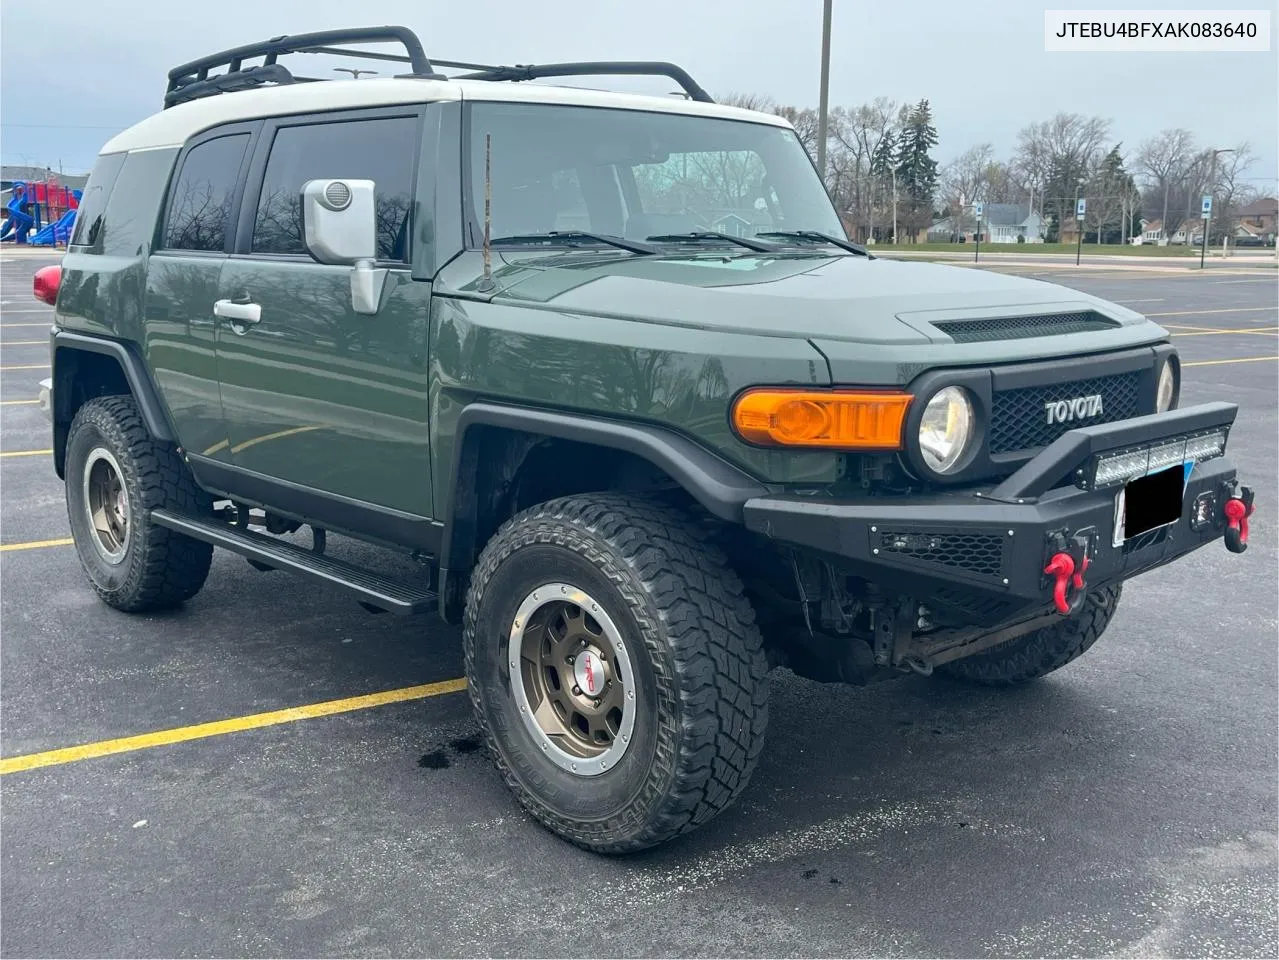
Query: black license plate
<point>1152,501</point>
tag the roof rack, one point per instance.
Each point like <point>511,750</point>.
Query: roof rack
<point>191,81</point>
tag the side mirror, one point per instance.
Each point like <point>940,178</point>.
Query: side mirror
<point>339,226</point>
<point>339,220</point>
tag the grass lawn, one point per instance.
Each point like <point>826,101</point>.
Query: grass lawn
<point>1029,249</point>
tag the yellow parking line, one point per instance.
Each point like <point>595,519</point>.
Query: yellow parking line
<point>24,343</point>
<point>26,366</point>
<point>1194,313</point>
<point>36,544</point>
<point>1214,333</point>
<point>199,731</point>
<point>6,326</point>
<point>1210,363</point>
<point>26,453</point>
<point>15,403</point>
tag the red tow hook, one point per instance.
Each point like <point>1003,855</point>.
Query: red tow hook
<point>1238,510</point>
<point>1068,573</point>
<point>1061,567</point>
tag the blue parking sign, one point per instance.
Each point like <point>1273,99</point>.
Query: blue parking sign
<point>1207,206</point>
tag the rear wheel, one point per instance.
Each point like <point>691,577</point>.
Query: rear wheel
<point>1039,653</point>
<point>615,669</point>
<point>116,473</point>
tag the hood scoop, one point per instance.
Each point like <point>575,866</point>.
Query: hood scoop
<point>1019,328</point>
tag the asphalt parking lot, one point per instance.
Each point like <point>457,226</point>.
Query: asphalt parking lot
<point>1124,806</point>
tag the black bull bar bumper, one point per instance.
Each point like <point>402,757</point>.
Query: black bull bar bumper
<point>993,552</point>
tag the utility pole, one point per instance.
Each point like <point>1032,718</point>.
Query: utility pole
<point>894,206</point>
<point>825,90</point>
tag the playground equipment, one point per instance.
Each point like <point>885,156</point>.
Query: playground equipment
<point>45,207</point>
<point>20,220</point>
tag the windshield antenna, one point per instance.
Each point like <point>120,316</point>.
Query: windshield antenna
<point>486,284</point>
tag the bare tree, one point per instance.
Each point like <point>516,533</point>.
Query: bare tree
<point>1229,189</point>
<point>1163,162</point>
<point>1004,186</point>
<point>964,180</point>
<point>1057,156</point>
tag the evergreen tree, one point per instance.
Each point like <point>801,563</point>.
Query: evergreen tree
<point>1112,199</point>
<point>884,155</point>
<point>916,169</point>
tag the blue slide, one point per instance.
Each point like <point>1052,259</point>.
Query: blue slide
<point>53,233</point>
<point>20,222</point>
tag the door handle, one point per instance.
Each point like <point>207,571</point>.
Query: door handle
<point>238,312</point>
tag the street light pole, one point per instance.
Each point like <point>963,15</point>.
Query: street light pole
<point>825,88</point>
<point>1207,216</point>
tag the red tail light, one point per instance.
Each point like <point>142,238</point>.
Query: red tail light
<point>46,283</point>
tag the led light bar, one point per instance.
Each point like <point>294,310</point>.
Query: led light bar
<point>1115,468</point>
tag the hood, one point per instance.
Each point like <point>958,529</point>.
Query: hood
<point>816,297</point>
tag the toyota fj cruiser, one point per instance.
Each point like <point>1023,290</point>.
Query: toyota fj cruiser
<point>609,367</point>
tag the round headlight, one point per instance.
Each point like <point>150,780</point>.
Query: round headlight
<point>945,429</point>
<point>1167,387</point>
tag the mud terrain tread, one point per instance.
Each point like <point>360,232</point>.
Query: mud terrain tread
<point>657,562</point>
<point>1040,653</point>
<point>173,567</point>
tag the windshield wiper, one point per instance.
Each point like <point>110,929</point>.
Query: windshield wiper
<point>696,236</point>
<point>575,236</point>
<point>816,237</point>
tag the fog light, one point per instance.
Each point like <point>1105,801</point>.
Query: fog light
<point>1203,510</point>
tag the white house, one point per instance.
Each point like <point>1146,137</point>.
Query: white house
<point>1000,223</point>
<point>1152,231</point>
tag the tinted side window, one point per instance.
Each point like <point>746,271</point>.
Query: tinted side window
<point>382,150</point>
<point>200,203</point>
<point>88,218</point>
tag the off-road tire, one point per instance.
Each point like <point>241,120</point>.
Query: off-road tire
<point>1039,653</point>
<point>697,657</point>
<point>160,568</point>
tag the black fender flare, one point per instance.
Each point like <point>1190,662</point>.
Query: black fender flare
<point>135,372</point>
<point>63,343</point>
<point>716,484</point>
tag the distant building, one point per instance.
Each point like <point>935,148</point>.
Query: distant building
<point>1152,231</point>
<point>1259,218</point>
<point>1000,223</point>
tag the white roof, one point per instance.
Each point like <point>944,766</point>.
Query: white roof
<point>172,127</point>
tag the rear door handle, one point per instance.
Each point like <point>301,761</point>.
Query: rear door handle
<point>238,312</point>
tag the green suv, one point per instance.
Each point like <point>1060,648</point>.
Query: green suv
<point>609,367</point>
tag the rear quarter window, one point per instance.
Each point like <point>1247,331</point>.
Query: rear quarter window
<point>93,202</point>
<point>199,208</point>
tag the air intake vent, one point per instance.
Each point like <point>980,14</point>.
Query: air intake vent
<point>1018,328</point>
<point>978,553</point>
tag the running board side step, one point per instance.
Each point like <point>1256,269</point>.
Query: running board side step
<point>372,589</point>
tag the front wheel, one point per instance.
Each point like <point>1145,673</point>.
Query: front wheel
<point>615,669</point>
<point>1039,653</point>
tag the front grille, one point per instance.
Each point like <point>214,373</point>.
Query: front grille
<point>1018,328</point>
<point>1020,422</point>
<point>979,553</point>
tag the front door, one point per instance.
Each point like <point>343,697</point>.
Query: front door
<point>328,401</point>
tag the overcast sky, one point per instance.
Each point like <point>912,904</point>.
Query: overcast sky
<point>75,72</point>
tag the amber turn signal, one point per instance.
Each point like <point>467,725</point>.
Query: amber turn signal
<point>848,420</point>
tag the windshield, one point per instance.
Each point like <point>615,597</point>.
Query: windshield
<point>636,175</point>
